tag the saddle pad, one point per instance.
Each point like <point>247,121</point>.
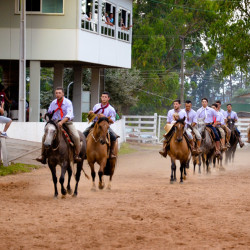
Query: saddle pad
<point>66,135</point>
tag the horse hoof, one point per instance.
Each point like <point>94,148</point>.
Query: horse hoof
<point>63,196</point>
<point>172,181</point>
<point>101,187</point>
<point>55,197</point>
<point>69,191</point>
<point>184,177</point>
<point>74,195</point>
<point>64,192</point>
<point>181,182</point>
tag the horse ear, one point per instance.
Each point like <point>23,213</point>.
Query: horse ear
<point>47,117</point>
<point>110,120</point>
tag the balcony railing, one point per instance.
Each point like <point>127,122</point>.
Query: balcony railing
<point>107,30</point>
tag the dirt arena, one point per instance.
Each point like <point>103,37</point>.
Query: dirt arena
<point>142,211</point>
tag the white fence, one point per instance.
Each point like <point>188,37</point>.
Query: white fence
<point>243,124</point>
<point>141,128</point>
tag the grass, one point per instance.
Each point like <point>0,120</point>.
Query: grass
<point>16,168</point>
<point>126,149</point>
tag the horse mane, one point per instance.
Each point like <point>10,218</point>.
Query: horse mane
<point>180,121</point>
<point>104,118</point>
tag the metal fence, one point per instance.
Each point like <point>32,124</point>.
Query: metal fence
<point>243,124</point>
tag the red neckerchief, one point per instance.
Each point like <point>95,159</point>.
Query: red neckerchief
<point>214,119</point>
<point>60,107</point>
<point>104,107</point>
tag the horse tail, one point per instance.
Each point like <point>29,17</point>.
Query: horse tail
<point>85,174</point>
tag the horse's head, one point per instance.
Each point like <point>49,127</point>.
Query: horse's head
<point>102,126</point>
<point>50,132</point>
<point>179,129</point>
<point>201,124</point>
<point>231,124</point>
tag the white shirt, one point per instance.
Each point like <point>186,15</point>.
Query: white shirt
<point>170,117</point>
<point>232,115</point>
<point>109,111</point>
<point>207,113</point>
<point>67,109</point>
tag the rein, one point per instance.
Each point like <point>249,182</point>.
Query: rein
<point>96,140</point>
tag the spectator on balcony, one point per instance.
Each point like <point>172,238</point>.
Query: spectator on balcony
<point>86,17</point>
<point>107,19</point>
<point>123,27</point>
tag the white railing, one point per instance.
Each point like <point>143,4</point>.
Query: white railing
<point>162,120</point>
<point>89,25</point>
<point>108,30</point>
<point>141,128</point>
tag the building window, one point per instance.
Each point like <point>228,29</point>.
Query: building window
<point>89,15</point>
<point>124,24</point>
<point>44,6</point>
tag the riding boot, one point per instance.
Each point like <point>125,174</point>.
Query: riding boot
<point>217,145</point>
<point>112,150</point>
<point>223,146</point>
<point>164,151</point>
<point>241,142</point>
<point>193,149</point>
<point>199,147</point>
<point>42,158</point>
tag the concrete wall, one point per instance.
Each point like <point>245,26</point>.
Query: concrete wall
<point>33,131</point>
<point>59,37</point>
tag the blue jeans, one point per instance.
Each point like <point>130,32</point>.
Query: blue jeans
<point>217,137</point>
<point>238,132</point>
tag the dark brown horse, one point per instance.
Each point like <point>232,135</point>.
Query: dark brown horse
<point>60,152</point>
<point>233,141</point>
<point>179,150</point>
<point>97,151</point>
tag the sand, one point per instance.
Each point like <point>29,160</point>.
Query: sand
<point>142,211</point>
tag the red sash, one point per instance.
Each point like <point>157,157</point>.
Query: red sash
<point>60,107</point>
<point>102,109</point>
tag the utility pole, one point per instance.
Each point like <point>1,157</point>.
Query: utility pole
<point>22,64</point>
<point>182,69</point>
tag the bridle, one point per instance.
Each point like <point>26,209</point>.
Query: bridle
<point>54,137</point>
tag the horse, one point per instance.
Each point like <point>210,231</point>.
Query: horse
<point>97,151</point>
<point>60,152</point>
<point>207,144</point>
<point>233,141</point>
<point>179,150</point>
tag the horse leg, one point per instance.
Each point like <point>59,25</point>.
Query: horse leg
<point>53,172</point>
<point>112,163</point>
<point>194,163</point>
<point>100,173</point>
<point>214,161</point>
<point>78,175</point>
<point>93,174</point>
<point>61,180</point>
<point>182,167</point>
<point>69,190</point>
<point>173,169</point>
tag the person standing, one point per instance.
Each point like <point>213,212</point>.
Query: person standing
<point>4,119</point>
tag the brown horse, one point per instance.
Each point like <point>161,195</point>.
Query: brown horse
<point>179,150</point>
<point>97,151</point>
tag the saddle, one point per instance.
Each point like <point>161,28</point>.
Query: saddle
<point>211,133</point>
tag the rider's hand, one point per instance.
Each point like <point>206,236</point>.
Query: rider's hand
<point>90,112</point>
<point>60,124</point>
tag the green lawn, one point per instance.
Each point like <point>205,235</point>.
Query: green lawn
<point>16,168</point>
<point>126,149</point>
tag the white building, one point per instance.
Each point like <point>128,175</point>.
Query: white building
<point>65,33</point>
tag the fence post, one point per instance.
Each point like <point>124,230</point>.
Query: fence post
<point>3,152</point>
<point>159,127</point>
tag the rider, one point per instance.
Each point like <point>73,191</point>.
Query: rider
<point>209,114</point>
<point>170,119</point>
<point>229,114</point>
<point>107,110</point>
<point>63,112</point>
<point>191,120</point>
<point>219,122</point>
<point>224,126</point>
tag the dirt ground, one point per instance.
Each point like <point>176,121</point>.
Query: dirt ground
<point>142,211</point>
